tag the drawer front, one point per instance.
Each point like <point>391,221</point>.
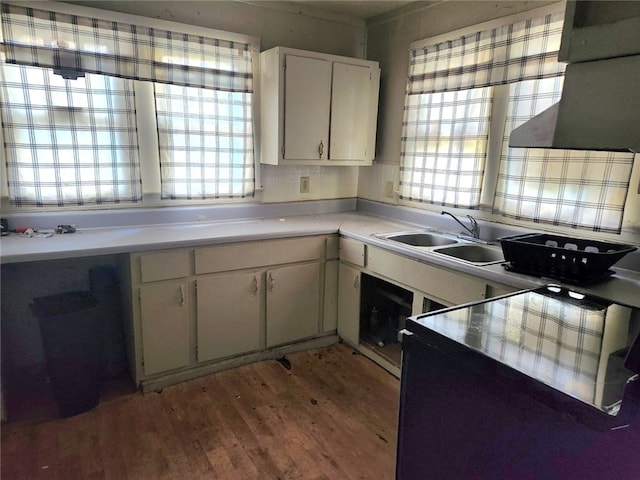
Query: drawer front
<point>352,251</point>
<point>164,265</point>
<point>258,254</point>
<point>452,288</point>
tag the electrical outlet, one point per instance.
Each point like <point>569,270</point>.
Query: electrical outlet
<point>304,184</point>
<point>390,189</point>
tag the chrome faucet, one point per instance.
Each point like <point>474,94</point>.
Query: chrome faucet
<point>474,230</point>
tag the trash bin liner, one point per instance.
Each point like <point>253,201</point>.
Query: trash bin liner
<point>69,324</point>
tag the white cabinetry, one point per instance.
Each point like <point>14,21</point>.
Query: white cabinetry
<point>373,277</point>
<point>293,303</point>
<point>228,312</point>
<point>349,304</point>
<point>317,109</point>
<point>199,308</point>
<point>165,323</point>
<point>165,310</point>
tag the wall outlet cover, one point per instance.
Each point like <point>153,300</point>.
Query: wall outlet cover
<point>390,189</point>
<point>304,184</point>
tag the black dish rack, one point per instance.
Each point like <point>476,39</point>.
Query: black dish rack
<point>571,260</point>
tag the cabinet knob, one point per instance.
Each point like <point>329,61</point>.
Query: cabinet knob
<point>254,286</point>
<point>271,281</point>
<point>320,149</point>
<point>182,295</point>
<point>356,281</point>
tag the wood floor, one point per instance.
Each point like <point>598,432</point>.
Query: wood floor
<point>333,415</point>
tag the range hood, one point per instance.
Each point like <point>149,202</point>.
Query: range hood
<point>600,104</point>
<point>599,110</point>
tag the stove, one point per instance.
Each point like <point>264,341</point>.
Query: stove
<point>542,383</point>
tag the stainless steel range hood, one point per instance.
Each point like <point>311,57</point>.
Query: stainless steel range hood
<point>599,110</point>
<point>600,104</point>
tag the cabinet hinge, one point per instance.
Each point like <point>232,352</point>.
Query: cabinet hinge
<point>369,76</point>
<point>139,295</point>
<point>284,63</point>
<point>283,151</point>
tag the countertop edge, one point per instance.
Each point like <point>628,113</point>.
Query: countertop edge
<point>623,286</point>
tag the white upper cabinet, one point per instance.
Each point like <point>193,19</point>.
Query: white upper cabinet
<point>317,109</point>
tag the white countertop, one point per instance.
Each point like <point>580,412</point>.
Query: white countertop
<point>623,287</point>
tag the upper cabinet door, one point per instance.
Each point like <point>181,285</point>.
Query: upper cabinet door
<point>350,105</point>
<point>307,100</point>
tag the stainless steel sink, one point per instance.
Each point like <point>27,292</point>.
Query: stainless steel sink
<point>472,253</point>
<point>420,239</point>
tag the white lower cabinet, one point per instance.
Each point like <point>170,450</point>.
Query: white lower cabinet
<point>193,308</point>
<point>228,315</point>
<point>293,303</point>
<point>349,281</point>
<point>165,319</point>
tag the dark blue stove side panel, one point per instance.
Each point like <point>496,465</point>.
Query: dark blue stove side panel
<point>459,423</point>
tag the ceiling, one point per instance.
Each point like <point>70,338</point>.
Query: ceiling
<point>363,9</point>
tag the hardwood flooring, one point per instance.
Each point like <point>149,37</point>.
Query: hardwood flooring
<point>333,415</point>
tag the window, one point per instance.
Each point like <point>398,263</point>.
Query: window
<point>206,142</point>
<point>450,122</point>
<point>579,189</point>
<point>80,139</point>
<point>445,146</point>
<point>69,142</point>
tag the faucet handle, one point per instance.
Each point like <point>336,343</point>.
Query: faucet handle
<point>475,228</point>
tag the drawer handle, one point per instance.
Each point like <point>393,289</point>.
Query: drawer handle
<point>182,295</point>
<point>320,149</point>
<point>254,285</point>
<point>356,281</point>
<point>271,282</point>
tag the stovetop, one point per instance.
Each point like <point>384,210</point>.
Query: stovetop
<point>574,343</point>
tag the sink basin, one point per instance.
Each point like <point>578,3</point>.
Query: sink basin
<point>421,239</point>
<point>476,254</point>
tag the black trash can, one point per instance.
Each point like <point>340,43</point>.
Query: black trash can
<point>70,328</point>
<point>104,285</point>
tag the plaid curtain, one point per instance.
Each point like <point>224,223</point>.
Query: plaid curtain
<point>203,96</point>
<point>69,142</point>
<point>579,189</point>
<point>206,143</point>
<point>444,147</point>
<point>72,43</point>
<point>448,105</point>
<point>520,51</point>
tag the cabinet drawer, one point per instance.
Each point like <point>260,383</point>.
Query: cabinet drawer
<point>352,251</point>
<point>258,254</point>
<point>453,288</point>
<point>164,265</point>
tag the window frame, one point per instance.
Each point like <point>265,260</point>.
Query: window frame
<point>145,117</point>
